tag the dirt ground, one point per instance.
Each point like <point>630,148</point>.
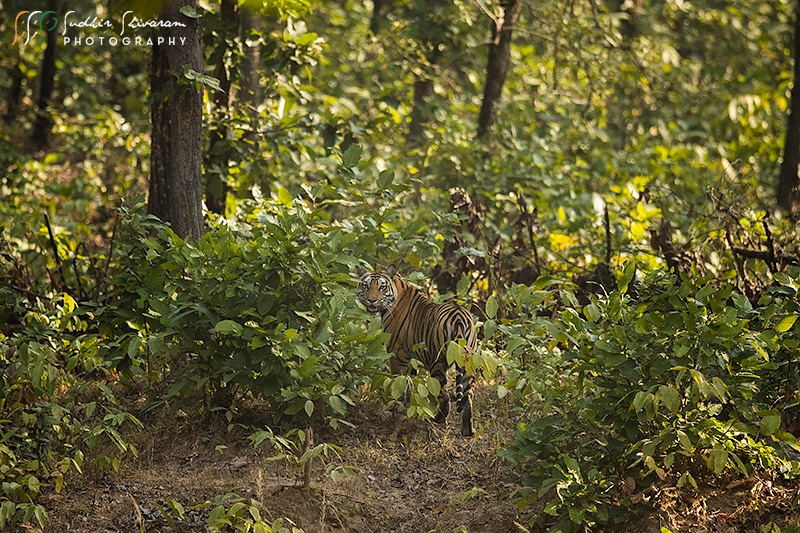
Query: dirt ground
<point>413,476</point>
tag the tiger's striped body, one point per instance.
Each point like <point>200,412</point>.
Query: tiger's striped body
<point>421,329</point>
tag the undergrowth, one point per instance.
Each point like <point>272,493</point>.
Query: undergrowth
<point>678,380</point>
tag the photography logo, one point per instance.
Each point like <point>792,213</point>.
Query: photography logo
<point>31,27</point>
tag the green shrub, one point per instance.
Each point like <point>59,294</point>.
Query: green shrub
<point>263,308</point>
<point>675,384</point>
<point>54,407</point>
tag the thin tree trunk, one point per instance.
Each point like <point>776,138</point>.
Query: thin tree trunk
<point>176,194</point>
<point>423,89</point>
<point>251,60</point>
<point>619,108</point>
<point>249,95</point>
<point>786,194</point>
<point>14,96</point>
<point>432,34</point>
<point>44,122</point>
<point>218,156</point>
<point>497,67</point>
<point>377,16</point>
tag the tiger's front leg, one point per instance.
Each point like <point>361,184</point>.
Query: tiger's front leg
<point>444,407</point>
<point>395,367</point>
<point>464,401</point>
<point>439,372</point>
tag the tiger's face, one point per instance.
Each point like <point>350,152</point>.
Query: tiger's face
<point>376,290</point>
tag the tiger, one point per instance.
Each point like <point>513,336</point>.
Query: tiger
<point>421,329</point>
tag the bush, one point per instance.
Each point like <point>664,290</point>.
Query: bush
<point>264,307</point>
<point>677,383</point>
<point>54,407</point>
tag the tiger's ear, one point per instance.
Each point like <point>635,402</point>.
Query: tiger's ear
<point>391,270</point>
<point>360,271</point>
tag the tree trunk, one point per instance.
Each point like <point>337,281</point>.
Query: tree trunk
<point>250,94</point>
<point>423,89</point>
<point>377,16</point>
<point>14,96</point>
<point>176,194</point>
<point>44,122</point>
<point>497,67</point>
<point>786,194</point>
<point>251,60</point>
<point>429,29</point>
<point>218,157</point>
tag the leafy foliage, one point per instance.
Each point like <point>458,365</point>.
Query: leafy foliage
<point>678,383</point>
<point>55,407</point>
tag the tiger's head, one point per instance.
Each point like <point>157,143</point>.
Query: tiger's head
<point>377,290</point>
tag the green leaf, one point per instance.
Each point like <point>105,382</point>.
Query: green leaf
<point>385,179</point>
<point>572,465</point>
<point>399,387</point>
<point>742,303</point>
<point>422,390</point>
<point>351,156</point>
<point>433,386</point>
<point>592,312</point>
<point>190,12</point>
<point>703,294</point>
<point>284,196</point>
<point>719,459</point>
<point>784,279</point>
<point>786,323</point>
<point>624,279</point>
<point>309,407</point>
<point>686,477</point>
<point>770,424</point>
<point>640,399</point>
<point>491,306</point>
<point>552,508</point>
<point>456,354</point>
<point>489,327</point>
<point>337,404</point>
<point>309,365</point>
<point>228,327</point>
<point>192,75</point>
<point>7,510</point>
<point>514,342</point>
<point>41,515</point>
<point>685,442</point>
<point>177,508</point>
<point>671,398</point>
<point>576,514</point>
<point>306,39</point>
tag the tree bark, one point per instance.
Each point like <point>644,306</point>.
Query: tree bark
<point>497,66</point>
<point>14,96</point>
<point>40,136</point>
<point>251,60</point>
<point>432,33</point>
<point>250,94</point>
<point>423,89</point>
<point>377,16</point>
<point>218,157</point>
<point>176,194</point>
<point>786,194</point>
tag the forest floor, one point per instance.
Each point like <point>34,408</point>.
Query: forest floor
<point>413,476</point>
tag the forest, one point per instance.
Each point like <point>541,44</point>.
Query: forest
<point>188,188</point>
